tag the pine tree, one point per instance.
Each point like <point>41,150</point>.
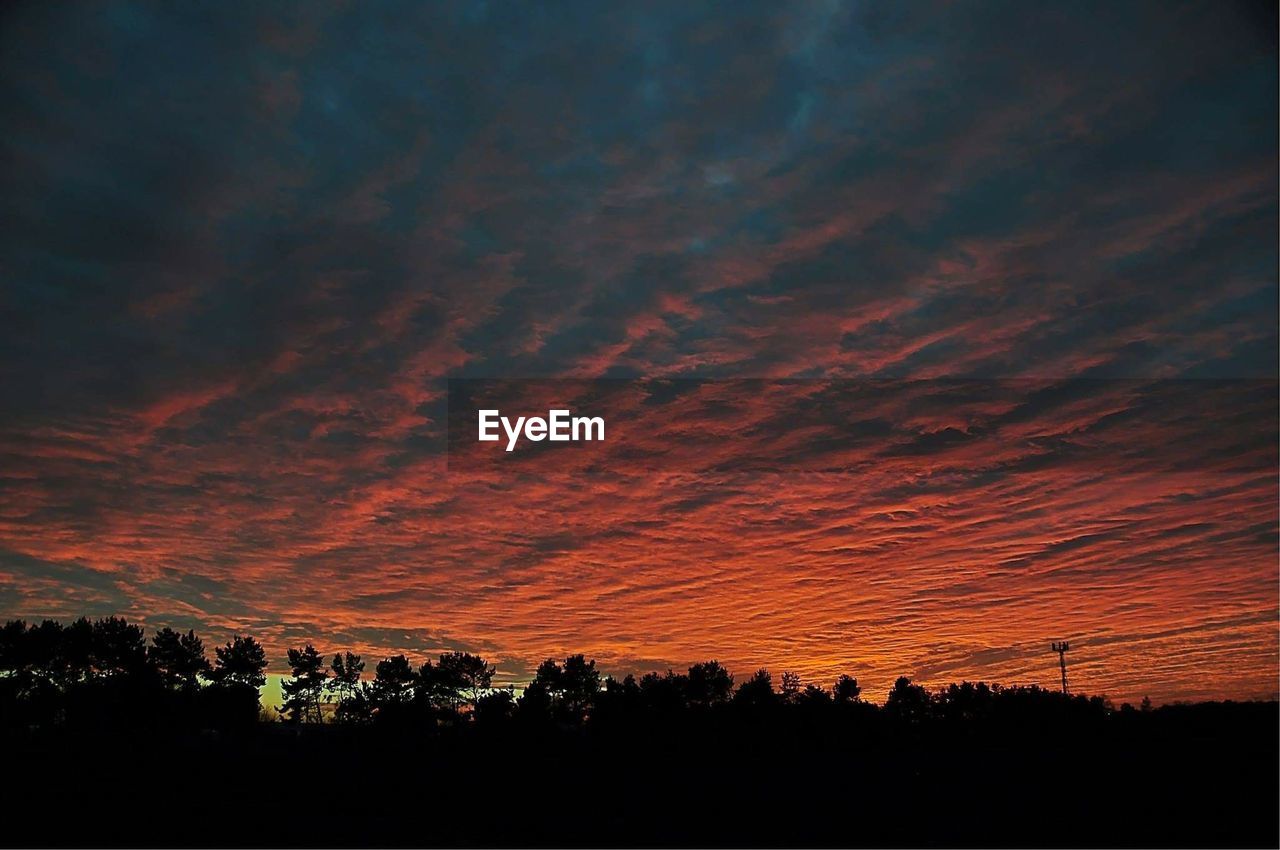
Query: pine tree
<point>304,692</point>
<point>241,661</point>
<point>178,658</point>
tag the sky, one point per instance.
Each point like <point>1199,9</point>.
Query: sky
<point>928,333</point>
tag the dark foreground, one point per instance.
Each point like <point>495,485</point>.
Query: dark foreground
<point>1201,775</point>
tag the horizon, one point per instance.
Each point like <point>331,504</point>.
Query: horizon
<point>271,696</point>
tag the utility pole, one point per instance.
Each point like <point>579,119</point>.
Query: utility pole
<point>1061,648</point>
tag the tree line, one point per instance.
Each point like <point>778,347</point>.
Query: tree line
<point>691,757</point>
<point>105,670</point>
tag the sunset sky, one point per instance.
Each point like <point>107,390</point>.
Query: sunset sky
<point>245,249</point>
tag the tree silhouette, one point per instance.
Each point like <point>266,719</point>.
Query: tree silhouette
<point>908,702</point>
<point>814,695</point>
<point>116,648</point>
<point>241,661</point>
<point>542,695</point>
<point>304,692</point>
<point>495,706</point>
<point>789,691</point>
<point>816,747</point>
<point>579,682</point>
<point>100,673</point>
<point>436,690</point>
<point>347,669</point>
<point>392,689</point>
<point>756,691</point>
<point>178,658</point>
<point>393,680</point>
<point>535,702</point>
<point>239,671</point>
<point>665,693</point>
<point>43,656</point>
<point>32,672</point>
<point>356,708</point>
<point>549,678</point>
<point>709,683</point>
<point>566,692</point>
<point>846,690</point>
<point>470,675</point>
<point>964,701</point>
<point>31,657</point>
<point>73,650</point>
<point>347,689</point>
<point>617,699</point>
